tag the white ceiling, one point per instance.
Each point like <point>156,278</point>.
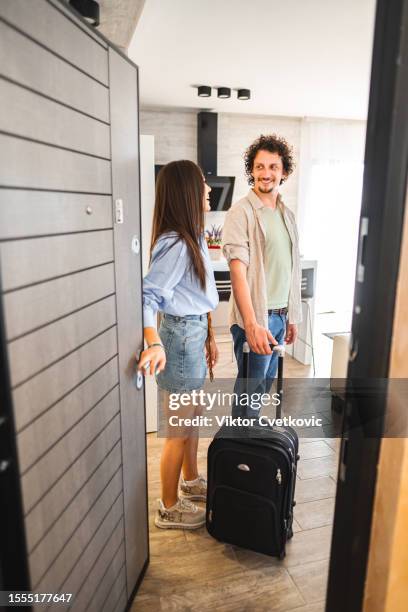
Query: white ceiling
<point>298,57</point>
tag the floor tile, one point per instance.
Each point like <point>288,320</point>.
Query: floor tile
<point>308,546</point>
<point>334,443</point>
<point>163,543</point>
<point>249,560</point>
<point>314,488</point>
<point>270,589</point>
<point>312,468</point>
<point>314,514</point>
<point>236,592</point>
<point>146,603</point>
<point>315,450</point>
<point>169,573</point>
<point>200,539</point>
<point>311,580</point>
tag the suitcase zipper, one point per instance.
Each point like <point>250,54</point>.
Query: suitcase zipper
<point>279,476</point>
<point>210,516</point>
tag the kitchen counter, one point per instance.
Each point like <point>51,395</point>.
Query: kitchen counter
<point>220,265</point>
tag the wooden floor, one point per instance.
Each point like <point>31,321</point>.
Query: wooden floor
<point>192,571</point>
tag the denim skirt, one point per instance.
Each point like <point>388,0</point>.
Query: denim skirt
<point>183,339</point>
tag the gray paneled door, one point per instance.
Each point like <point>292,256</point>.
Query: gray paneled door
<point>128,267</point>
<point>70,295</point>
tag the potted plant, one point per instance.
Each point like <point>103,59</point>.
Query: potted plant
<point>213,238</point>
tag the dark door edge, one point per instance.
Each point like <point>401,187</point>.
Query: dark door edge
<point>383,205</point>
<point>13,548</point>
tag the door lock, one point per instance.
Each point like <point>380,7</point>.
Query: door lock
<point>119,211</point>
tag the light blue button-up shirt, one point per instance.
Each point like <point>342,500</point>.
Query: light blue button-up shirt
<point>170,287</point>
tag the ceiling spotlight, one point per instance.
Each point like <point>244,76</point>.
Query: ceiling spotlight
<point>244,94</point>
<point>204,91</point>
<point>224,92</point>
<point>89,9</point>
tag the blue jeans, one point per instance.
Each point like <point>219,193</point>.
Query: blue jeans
<point>262,368</point>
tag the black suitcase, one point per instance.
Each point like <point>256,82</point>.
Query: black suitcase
<point>251,482</point>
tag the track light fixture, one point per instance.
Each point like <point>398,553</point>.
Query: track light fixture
<point>204,91</point>
<point>244,94</point>
<point>89,9</point>
<point>224,92</point>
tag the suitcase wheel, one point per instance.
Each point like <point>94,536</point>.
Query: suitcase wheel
<point>282,555</point>
<point>290,533</point>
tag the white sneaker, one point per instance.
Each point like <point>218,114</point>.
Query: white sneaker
<point>183,515</point>
<point>195,490</point>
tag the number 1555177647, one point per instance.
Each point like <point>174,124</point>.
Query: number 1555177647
<point>26,598</point>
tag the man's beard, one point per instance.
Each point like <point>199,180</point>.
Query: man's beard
<point>264,189</point>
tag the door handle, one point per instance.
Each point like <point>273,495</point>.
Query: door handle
<point>139,380</point>
<point>361,249</point>
<point>353,350</point>
<point>343,457</point>
<point>135,245</point>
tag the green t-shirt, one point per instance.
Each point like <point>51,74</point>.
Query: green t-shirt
<point>278,258</point>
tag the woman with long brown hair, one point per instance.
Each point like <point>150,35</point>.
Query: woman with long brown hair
<point>180,284</point>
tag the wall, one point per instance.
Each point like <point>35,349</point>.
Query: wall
<point>175,135</point>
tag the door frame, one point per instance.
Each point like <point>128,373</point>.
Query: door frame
<point>381,224</point>
<point>14,574</point>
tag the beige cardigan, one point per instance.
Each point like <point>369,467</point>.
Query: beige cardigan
<point>244,239</point>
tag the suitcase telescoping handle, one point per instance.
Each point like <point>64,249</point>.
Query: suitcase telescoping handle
<point>277,348</point>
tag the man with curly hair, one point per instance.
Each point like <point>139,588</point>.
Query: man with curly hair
<point>260,242</point>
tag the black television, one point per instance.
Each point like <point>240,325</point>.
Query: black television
<point>222,188</point>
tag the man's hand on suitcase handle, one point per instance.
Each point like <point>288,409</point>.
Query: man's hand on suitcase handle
<point>259,339</point>
<point>280,349</point>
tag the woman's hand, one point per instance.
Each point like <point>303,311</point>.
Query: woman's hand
<point>214,353</point>
<point>155,357</point>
